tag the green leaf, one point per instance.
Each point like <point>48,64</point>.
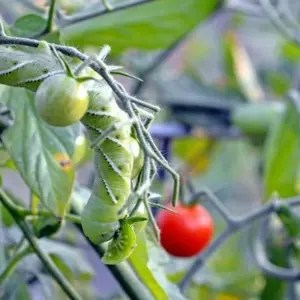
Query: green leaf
<point>5,218</point>
<point>36,150</point>
<point>147,26</point>
<point>279,82</point>
<point>146,260</point>
<point>282,154</point>
<point>275,288</point>
<point>136,220</point>
<point>289,220</point>
<point>291,51</point>
<point>28,25</point>
<point>46,226</point>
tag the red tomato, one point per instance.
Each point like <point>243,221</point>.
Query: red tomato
<point>187,233</point>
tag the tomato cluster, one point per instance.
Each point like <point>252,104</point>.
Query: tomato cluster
<point>187,232</point>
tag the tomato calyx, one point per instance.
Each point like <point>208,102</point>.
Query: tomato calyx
<point>70,73</point>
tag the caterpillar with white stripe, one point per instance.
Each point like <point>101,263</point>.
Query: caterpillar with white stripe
<point>115,158</point>
<point>114,162</point>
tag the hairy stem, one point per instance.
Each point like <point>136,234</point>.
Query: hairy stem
<point>86,16</point>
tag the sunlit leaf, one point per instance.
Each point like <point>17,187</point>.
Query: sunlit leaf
<point>147,26</point>
<point>147,261</point>
<point>32,145</point>
<point>282,154</point>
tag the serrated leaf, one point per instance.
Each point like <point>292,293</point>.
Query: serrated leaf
<point>282,153</point>
<point>146,262</point>
<point>33,146</point>
<point>28,25</point>
<point>147,26</point>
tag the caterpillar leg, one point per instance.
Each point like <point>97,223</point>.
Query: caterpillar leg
<point>109,130</point>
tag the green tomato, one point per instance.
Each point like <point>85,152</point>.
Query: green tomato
<point>121,246</point>
<point>138,157</point>
<point>61,100</point>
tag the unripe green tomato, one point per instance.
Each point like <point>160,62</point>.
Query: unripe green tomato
<point>138,157</point>
<point>61,100</point>
<point>141,212</point>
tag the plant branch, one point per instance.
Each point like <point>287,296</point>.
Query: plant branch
<point>49,25</point>
<point>51,15</point>
<point>41,213</point>
<point>13,264</point>
<point>33,242</point>
<point>66,21</point>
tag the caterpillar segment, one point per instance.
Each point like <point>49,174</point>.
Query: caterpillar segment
<point>113,164</point>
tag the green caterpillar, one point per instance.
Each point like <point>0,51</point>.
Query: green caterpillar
<point>117,160</point>
<point>113,161</point>
<point>27,67</point>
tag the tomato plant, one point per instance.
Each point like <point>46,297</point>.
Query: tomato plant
<point>95,159</point>
<point>186,232</point>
